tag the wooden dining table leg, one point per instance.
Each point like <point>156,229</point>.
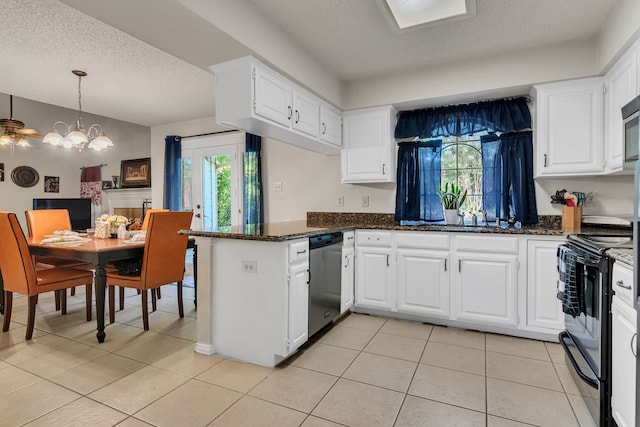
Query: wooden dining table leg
<point>100,281</point>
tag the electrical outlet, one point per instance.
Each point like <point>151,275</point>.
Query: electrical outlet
<point>278,186</point>
<point>365,201</point>
<point>341,201</point>
<point>249,267</point>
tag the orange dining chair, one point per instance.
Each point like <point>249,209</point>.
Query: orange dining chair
<point>145,225</point>
<point>44,222</point>
<point>162,261</point>
<point>20,275</point>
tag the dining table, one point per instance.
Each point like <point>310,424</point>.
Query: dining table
<point>96,251</point>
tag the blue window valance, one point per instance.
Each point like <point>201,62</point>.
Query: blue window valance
<point>504,115</point>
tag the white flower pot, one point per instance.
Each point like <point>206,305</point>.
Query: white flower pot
<point>451,216</point>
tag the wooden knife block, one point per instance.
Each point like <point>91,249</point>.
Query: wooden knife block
<point>571,218</point>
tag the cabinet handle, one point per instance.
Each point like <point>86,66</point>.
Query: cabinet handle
<point>445,264</point>
<point>308,276</point>
<point>346,261</point>
<point>290,110</point>
<point>633,350</point>
<point>622,285</point>
<point>297,116</point>
<point>387,260</point>
<point>302,252</point>
<point>350,238</point>
<point>383,165</point>
<point>545,160</point>
<point>324,128</point>
<point>459,266</point>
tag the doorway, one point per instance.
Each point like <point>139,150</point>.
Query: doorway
<point>212,180</point>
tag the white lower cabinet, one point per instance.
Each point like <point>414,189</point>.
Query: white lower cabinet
<point>423,282</point>
<point>374,285</point>
<point>495,282</point>
<point>347,278</point>
<point>544,310</point>
<point>623,344</point>
<point>298,304</point>
<point>484,288</point>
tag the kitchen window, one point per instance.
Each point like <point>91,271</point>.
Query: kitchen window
<point>439,145</point>
<point>461,163</point>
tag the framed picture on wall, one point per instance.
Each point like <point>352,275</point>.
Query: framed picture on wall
<point>135,173</point>
<point>107,185</point>
<point>51,184</point>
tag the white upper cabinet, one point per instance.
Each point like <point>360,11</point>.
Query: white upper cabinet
<point>330,125</point>
<point>569,127</point>
<point>272,97</point>
<point>622,87</point>
<point>369,148</point>
<point>306,113</point>
<point>255,98</point>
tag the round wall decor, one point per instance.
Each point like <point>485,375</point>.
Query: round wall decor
<point>25,176</point>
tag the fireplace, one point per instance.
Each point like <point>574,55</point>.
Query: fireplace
<point>128,202</point>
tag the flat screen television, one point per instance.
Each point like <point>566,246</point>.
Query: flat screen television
<point>79,210</point>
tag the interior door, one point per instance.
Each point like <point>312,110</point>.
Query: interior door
<point>212,186</point>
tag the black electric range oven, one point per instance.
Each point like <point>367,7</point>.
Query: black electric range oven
<point>584,287</point>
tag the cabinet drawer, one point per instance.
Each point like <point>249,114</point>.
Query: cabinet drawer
<point>348,238</point>
<point>622,282</point>
<point>421,240</point>
<point>298,251</point>
<point>487,243</point>
<point>374,238</point>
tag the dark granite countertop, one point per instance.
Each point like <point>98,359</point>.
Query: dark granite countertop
<point>282,231</point>
<point>270,232</point>
<point>622,255</point>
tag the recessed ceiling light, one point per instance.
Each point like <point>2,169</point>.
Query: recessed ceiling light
<point>405,15</point>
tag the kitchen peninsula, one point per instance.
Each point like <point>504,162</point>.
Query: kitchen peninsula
<point>253,290</point>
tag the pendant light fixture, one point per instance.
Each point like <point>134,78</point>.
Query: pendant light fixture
<point>76,136</point>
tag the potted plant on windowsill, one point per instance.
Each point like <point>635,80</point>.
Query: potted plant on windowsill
<point>452,197</point>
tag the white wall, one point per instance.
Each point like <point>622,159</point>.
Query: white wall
<point>475,78</point>
<point>131,142</point>
<point>621,28</point>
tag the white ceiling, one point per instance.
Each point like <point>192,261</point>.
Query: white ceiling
<point>147,60</point>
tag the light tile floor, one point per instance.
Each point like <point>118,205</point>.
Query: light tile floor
<point>365,371</point>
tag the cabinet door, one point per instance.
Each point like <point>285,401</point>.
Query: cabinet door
<point>543,308</point>
<point>368,145</point>
<point>569,129</point>
<point>330,126</point>
<point>306,113</point>
<point>347,278</point>
<point>621,88</point>
<point>272,97</point>
<point>484,289</point>
<point>623,387</point>
<point>423,282</point>
<point>373,274</point>
<point>298,320</point>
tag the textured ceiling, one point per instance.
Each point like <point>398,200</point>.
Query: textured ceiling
<point>353,38</point>
<point>147,59</point>
<point>128,79</point>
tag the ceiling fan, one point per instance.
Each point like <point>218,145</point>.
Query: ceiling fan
<point>13,131</point>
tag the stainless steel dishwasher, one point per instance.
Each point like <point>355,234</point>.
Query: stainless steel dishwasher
<point>325,267</point>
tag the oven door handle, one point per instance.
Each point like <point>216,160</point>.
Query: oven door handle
<point>564,334</point>
<point>587,262</point>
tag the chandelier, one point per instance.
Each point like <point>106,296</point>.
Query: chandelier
<point>76,136</point>
<point>12,131</point>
